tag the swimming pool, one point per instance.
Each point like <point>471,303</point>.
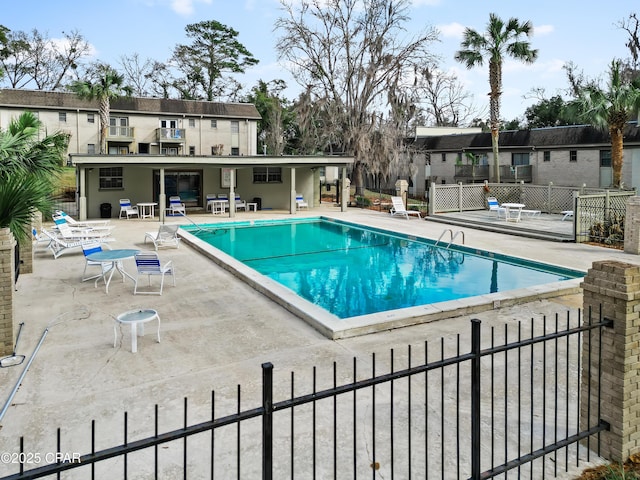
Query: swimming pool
<point>360,275</point>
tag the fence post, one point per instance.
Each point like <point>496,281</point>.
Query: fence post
<point>267,421</point>
<point>475,399</point>
<point>632,226</point>
<point>611,358</point>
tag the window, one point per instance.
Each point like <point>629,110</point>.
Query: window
<point>267,175</point>
<point>192,122</point>
<point>119,126</point>
<point>91,148</point>
<point>111,178</point>
<point>235,151</point>
<point>91,118</point>
<point>546,156</point>
<point>192,150</point>
<point>444,157</point>
<point>605,158</point>
<point>214,123</point>
<point>235,126</point>
<point>519,159</point>
<point>573,155</point>
<point>62,116</point>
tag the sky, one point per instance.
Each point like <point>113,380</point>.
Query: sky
<point>584,32</point>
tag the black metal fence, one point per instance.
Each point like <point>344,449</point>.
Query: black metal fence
<point>499,402</point>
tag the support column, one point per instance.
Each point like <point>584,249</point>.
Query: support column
<point>7,286</point>
<point>293,207</point>
<point>612,291</point>
<point>162,199</point>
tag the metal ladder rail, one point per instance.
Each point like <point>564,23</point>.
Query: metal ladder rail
<point>442,235</point>
<point>453,237</point>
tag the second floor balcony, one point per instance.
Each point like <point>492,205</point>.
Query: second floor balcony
<point>121,133</point>
<point>167,135</point>
<point>480,173</point>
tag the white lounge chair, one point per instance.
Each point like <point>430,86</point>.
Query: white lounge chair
<point>84,223</point>
<point>167,235</point>
<point>60,219</point>
<point>494,206</point>
<point>300,203</point>
<point>60,245</point>
<point>127,209</point>
<point>71,234</point>
<point>398,208</point>
<point>148,263</point>
<point>176,207</point>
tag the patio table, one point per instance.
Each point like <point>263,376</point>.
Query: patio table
<point>115,257</point>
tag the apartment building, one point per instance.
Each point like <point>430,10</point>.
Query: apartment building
<point>157,148</point>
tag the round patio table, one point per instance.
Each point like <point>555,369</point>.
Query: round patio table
<point>115,257</point>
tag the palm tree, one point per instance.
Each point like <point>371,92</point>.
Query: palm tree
<point>109,85</point>
<point>499,40</point>
<point>29,167</point>
<point>612,109</point>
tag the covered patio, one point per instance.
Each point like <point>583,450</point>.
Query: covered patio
<point>276,180</point>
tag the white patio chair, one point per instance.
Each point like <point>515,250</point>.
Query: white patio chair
<point>148,263</point>
<point>176,207</point>
<point>127,209</point>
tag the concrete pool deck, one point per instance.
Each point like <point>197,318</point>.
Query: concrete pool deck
<point>216,332</point>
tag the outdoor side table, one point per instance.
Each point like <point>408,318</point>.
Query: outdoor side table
<point>133,318</point>
<point>252,205</point>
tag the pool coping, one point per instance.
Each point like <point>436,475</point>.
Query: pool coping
<point>336,328</point>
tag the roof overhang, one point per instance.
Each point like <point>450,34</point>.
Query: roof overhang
<point>245,161</point>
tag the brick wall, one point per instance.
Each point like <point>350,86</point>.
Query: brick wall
<point>7,286</point>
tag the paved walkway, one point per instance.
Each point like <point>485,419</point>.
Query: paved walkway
<point>216,332</point>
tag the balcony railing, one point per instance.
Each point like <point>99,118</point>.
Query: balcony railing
<point>480,173</point>
<point>170,134</point>
<point>471,173</point>
<point>121,132</point>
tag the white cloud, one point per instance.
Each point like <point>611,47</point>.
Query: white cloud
<point>186,7</point>
<point>451,30</point>
<point>543,30</point>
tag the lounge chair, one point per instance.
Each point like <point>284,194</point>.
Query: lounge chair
<point>176,207</point>
<point>149,264</point>
<point>127,209</point>
<point>59,245</point>
<point>494,206</point>
<point>300,203</point>
<point>40,240</point>
<point>69,233</point>
<point>167,235</point>
<point>59,219</point>
<point>567,214</point>
<point>84,223</point>
<point>398,208</point>
<point>88,249</point>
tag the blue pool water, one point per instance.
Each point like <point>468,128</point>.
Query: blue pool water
<point>350,270</point>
